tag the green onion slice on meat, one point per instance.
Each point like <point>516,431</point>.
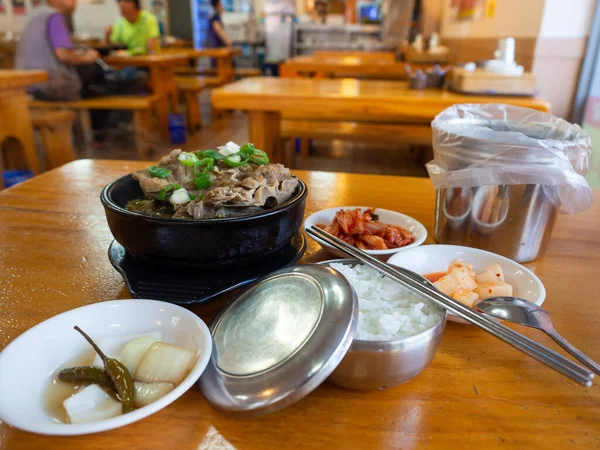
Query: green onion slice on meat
<point>236,160</point>
<point>208,163</point>
<point>259,157</point>
<point>188,159</point>
<point>167,191</point>
<point>210,154</point>
<point>158,172</point>
<point>202,181</point>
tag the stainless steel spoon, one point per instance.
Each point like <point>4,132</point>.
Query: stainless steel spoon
<point>523,312</point>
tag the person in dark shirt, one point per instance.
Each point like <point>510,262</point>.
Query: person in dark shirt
<point>216,33</point>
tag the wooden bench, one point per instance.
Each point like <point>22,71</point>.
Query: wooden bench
<point>55,131</point>
<point>209,77</point>
<point>191,87</point>
<point>242,72</point>
<point>304,129</point>
<point>142,108</point>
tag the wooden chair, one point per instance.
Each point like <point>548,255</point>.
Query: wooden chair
<point>142,108</point>
<point>55,131</point>
<point>191,88</point>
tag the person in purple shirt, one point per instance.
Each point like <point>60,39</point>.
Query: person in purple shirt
<point>45,45</point>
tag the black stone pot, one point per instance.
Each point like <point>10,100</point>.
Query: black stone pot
<point>212,244</point>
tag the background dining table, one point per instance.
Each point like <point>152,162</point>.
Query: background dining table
<point>477,393</point>
<point>268,99</point>
<point>356,64</point>
<point>162,80</point>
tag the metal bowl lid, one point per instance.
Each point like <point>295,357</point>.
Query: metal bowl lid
<point>279,340</point>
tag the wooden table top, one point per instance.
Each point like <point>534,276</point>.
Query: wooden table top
<point>203,52</point>
<point>13,79</point>
<point>477,393</point>
<point>162,59</point>
<point>367,97</point>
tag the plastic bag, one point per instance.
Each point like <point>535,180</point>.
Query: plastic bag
<point>495,144</point>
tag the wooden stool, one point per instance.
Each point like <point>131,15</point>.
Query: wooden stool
<point>55,131</point>
<point>191,87</point>
<point>17,142</point>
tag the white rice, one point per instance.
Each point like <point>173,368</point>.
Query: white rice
<point>387,310</point>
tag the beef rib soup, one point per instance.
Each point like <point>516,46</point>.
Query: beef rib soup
<point>231,181</point>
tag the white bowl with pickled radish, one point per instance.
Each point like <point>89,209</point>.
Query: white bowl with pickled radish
<point>385,216</point>
<point>30,363</point>
<point>435,260</point>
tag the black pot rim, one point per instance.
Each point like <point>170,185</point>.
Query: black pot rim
<point>108,203</point>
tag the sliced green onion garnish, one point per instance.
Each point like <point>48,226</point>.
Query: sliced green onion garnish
<point>167,191</point>
<point>236,160</point>
<point>194,197</point>
<point>188,159</point>
<point>247,149</point>
<point>202,181</point>
<point>211,154</point>
<point>158,172</point>
<point>259,157</point>
<point>208,162</point>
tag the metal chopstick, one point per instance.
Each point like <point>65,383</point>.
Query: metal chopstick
<point>422,286</point>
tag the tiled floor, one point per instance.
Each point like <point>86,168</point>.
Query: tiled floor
<point>337,156</point>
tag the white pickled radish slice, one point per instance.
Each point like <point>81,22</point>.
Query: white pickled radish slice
<point>496,269</point>
<point>496,289</point>
<point>165,362</point>
<point>112,346</point>
<point>134,351</point>
<point>91,404</point>
<point>146,393</point>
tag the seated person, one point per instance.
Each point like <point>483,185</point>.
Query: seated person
<point>45,45</point>
<point>216,33</point>
<point>137,29</point>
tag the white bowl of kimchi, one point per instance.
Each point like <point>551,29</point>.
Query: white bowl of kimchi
<point>380,232</point>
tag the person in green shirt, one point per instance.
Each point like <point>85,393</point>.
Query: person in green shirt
<point>137,29</point>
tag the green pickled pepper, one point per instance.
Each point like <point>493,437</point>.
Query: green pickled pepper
<point>119,375</point>
<point>86,374</point>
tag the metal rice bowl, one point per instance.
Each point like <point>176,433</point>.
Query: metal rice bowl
<point>375,365</point>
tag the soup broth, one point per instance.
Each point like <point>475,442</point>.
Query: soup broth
<point>58,391</point>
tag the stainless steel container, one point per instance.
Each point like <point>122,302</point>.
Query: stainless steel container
<point>372,365</point>
<point>514,220</point>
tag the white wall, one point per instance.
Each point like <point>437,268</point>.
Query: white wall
<point>567,18</point>
<point>11,22</point>
<point>259,6</point>
<point>516,18</point>
<point>91,19</point>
